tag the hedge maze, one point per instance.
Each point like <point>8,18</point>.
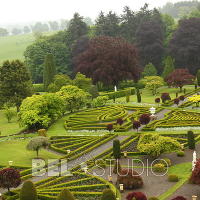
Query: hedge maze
<point>99,118</point>
<point>176,119</point>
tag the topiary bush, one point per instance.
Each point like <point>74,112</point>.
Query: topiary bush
<point>42,132</point>
<point>116,149</point>
<point>166,162</point>
<point>182,98</point>
<point>110,127</point>
<point>176,101</point>
<point>173,178</point>
<point>120,121</point>
<point>117,167</point>
<point>28,191</point>
<point>139,98</point>
<point>136,195</point>
<point>107,195</point>
<point>136,125</point>
<point>65,195</point>
<point>130,179</point>
<point>191,140</point>
<point>165,97</point>
<point>145,119</point>
<point>159,168</point>
<point>180,154</point>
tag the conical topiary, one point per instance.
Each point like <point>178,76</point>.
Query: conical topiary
<point>117,167</point>
<point>108,194</point>
<point>28,191</point>
<point>65,195</point>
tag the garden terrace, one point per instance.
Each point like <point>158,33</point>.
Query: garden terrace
<point>99,118</point>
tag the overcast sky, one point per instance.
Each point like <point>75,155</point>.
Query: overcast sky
<point>17,11</point>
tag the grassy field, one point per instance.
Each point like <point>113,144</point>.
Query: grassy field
<point>8,128</point>
<point>13,47</point>
<point>15,150</point>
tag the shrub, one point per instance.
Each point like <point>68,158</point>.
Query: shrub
<point>65,194</point>
<point>101,163</point>
<point>144,119</point>
<point>136,195</point>
<point>108,195</point>
<point>165,97</point>
<point>9,113</point>
<point>38,87</point>
<point>116,149</point>
<point>28,191</point>
<point>159,168</point>
<point>110,127</point>
<point>153,198</point>
<point>182,98</point>
<point>120,121</point>
<point>191,140</point>
<point>179,198</point>
<point>117,167</point>
<point>176,101</point>
<point>130,179</point>
<point>136,125</point>
<point>9,177</point>
<point>42,132</point>
<point>157,100</point>
<point>166,162</point>
<point>139,98</point>
<point>180,153</point>
<point>100,101</point>
<point>127,98</point>
<point>173,178</point>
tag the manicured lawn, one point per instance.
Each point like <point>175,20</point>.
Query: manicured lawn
<point>147,96</point>
<point>8,128</point>
<point>15,150</point>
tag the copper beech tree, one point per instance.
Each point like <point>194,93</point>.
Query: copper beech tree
<point>179,78</point>
<point>109,60</point>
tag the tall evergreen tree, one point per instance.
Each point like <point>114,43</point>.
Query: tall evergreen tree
<point>198,77</point>
<point>15,83</point>
<point>149,70</point>
<point>28,191</point>
<point>49,70</point>
<point>65,195</point>
<point>168,66</point>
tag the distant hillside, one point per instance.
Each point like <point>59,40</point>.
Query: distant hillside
<point>179,9</point>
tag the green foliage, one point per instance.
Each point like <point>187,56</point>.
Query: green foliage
<point>59,81</point>
<point>37,143</point>
<point>100,101</point>
<point>139,99</point>
<point>150,70</point>
<point>49,70</point>
<point>198,77</point>
<point>116,149</point>
<point>180,153</point>
<point>82,82</point>
<point>117,167</point>
<point>39,111</point>
<point>159,168</point>
<point>153,198</point>
<point>65,195</point>
<point>73,97</point>
<point>166,162</point>
<point>153,83</point>
<point>15,83</point>
<point>173,178</point>
<point>28,191</point>
<point>38,87</point>
<point>108,195</point>
<point>191,140</point>
<point>127,98</point>
<point>9,113</point>
<point>94,91</point>
<point>154,144</point>
<point>168,66</point>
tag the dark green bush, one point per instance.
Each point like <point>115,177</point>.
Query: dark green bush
<point>173,178</point>
<point>65,195</point>
<point>180,153</point>
<point>191,140</point>
<point>28,191</point>
<point>38,87</point>
<point>108,195</point>
<point>159,167</point>
<point>117,167</point>
<point>139,99</point>
<point>116,149</point>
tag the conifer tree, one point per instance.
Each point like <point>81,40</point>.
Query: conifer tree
<point>168,66</point>
<point>150,70</point>
<point>28,191</point>
<point>49,70</point>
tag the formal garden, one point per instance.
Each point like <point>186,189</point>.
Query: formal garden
<point>95,113</point>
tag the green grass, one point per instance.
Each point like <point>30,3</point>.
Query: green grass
<point>15,150</point>
<point>13,47</point>
<point>147,96</point>
<point>8,128</point>
<point>183,171</point>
